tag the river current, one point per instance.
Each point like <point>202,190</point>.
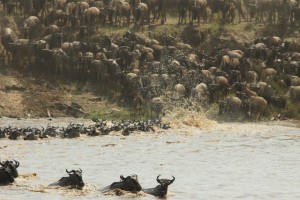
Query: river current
<point>215,161</point>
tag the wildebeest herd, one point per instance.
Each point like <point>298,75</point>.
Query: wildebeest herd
<point>8,173</point>
<point>123,12</point>
<point>101,128</point>
<point>257,77</point>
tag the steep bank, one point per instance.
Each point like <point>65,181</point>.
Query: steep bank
<point>32,93</point>
<point>24,94</point>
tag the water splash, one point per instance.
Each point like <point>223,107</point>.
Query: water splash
<point>189,113</point>
<point>64,191</point>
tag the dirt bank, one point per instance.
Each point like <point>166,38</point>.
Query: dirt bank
<point>24,94</point>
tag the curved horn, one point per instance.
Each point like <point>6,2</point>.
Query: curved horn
<point>17,163</point>
<point>135,176</point>
<point>80,170</point>
<point>172,180</point>
<point>122,178</point>
<point>158,180</point>
<point>69,172</point>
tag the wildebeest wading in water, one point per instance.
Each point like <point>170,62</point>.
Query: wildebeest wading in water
<point>130,184</point>
<point>8,171</point>
<point>74,180</point>
<point>162,189</point>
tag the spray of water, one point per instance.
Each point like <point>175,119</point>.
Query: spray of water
<point>182,112</point>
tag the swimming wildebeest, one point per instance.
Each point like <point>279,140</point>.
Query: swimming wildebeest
<point>8,171</point>
<point>162,189</point>
<point>74,180</point>
<point>130,183</point>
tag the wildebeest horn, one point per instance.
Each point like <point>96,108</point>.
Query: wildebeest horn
<point>17,163</point>
<point>122,177</point>
<point>70,171</point>
<point>157,179</point>
<point>80,170</point>
<point>173,179</point>
<point>135,176</point>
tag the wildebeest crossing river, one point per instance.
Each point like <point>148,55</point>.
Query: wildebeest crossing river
<point>219,161</point>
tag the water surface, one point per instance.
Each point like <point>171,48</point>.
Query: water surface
<point>221,161</point>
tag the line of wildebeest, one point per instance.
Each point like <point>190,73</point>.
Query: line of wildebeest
<point>258,76</point>
<point>123,12</point>
<point>100,128</point>
<point>8,173</point>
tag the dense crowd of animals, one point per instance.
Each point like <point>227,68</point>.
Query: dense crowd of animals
<point>101,127</point>
<point>124,12</point>
<point>261,75</point>
<point>8,173</point>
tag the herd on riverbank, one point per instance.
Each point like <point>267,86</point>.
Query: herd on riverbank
<point>254,80</point>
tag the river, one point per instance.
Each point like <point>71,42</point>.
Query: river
<point>216,161</point>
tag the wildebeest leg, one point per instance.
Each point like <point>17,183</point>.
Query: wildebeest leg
<point>61,70</point>
<point>198,17</point>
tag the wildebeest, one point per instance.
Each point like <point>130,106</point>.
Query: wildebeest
<point>257,106</point>
<point>30,25</point>
<point>230,106</point>
<point>6,38</point>
<point>158,9</point>
<point>119,9</point>
<point>91,16</point>
<point>5,177</point>
<point>162,189</point>
<point>130,183</point>
<point>294,94</point>
<point>74,180</point>
<point>11,166</point>
<point>8,171</point>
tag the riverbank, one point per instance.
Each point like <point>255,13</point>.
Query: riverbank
<point>32,93</point>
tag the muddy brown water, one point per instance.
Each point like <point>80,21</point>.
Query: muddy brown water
<point>221,161</point>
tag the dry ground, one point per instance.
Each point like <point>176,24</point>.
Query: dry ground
<point>23,95</point>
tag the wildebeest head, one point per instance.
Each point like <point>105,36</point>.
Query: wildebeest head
<point>11,167</point>
<point>162,189</point>
<point>74,179</point>
<point>5,176</point>
<point>165,182</point>
<point>130,183</point>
